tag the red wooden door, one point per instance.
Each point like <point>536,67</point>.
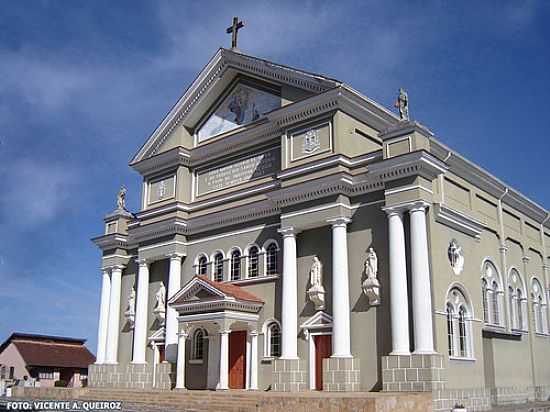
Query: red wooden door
<point>162,355</point>
<point>323,348</point>
<point>237,360</point>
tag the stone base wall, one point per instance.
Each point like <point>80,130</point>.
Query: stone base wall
<point>474,399</point>
<point>512,395</point>
<point>289,375</point>
<point>131,376</point>
<point>413,373</point>
<point>341,375</point>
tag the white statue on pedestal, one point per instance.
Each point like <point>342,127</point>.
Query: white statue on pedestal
<point>160,307</point>
<point>371,285</point>
<point>130,313</point>
<point>316,292</point>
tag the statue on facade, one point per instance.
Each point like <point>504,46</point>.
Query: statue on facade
<point>130,313</point>
<point>456,257</point>
<point>160,307</point>
<point>402,104</point>
<point>121,198</point>
<point>316,292</point>
<point>371,285</point>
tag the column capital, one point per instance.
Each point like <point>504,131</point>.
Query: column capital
<point>143,262</point>
<point>339,221</point>
<point>419,206</point>
<point>175,256</point>
<point>253,333</point>
<point>288,231</point>
<point>224,332</point>
<point>525,259</point>
<point>113,267</point>
<point>545,267</point>
<point>393,211</point>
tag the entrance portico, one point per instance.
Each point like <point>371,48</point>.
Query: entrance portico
<point>228,318</point>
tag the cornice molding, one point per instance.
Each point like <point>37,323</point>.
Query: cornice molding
<point>410,164</point>
<point>111,241</point>
<point>458,220</point>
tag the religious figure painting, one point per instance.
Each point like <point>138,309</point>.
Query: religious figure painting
<point>245,104</point>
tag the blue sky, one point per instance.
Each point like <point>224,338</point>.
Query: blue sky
<point>82,84</point>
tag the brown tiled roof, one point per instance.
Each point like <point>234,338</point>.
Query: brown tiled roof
<point>232,290</point>
<point>54,354</point>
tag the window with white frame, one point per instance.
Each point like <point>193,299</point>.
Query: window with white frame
<point>236,264</point>
<point>45,375</point>
<point>459,327</point>
<point>271,259</point>
<point>539,307</point>
<point>202,265</point>
<point>517,300</point>
<point>217,272</point>
<point>492,294</point>
<point>197,348</point>
<point>253,268</point>
<point>272,339</point>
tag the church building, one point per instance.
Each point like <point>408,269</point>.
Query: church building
<point>295,235</point>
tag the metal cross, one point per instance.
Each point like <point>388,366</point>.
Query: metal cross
<point>234,30</point>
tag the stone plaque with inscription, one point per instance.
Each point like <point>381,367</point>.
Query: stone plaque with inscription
<point>240,171</point>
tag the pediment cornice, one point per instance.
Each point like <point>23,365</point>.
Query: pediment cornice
<point>111,241</point>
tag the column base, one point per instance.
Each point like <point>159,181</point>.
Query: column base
<point>413,373</point>
<point>341,374</point>
<point>289,375</point>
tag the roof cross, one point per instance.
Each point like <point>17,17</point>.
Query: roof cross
<point>234,31</point>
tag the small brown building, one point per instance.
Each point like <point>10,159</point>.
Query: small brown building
<point>45,359</point>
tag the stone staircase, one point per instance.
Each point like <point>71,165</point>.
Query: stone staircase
<point>184,401</point>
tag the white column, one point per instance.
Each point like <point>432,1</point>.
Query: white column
<point>253,360</point>
<point>399,301</point>
<point>289,310</point>
<point>341,347</point>
<point>224,359</point>
<point>142,301</point>
<point>174,285</point>
<point>180,365</point>
<point>421,281</point>
<point>114,315</point>
<point>103,317</point>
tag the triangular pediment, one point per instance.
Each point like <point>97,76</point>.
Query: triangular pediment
<point>197,290</point>
<point>209,92</point>
<point>319,320</point>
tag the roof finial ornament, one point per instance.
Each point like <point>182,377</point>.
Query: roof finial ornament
<point>402,103</point>
<point>234,29</point>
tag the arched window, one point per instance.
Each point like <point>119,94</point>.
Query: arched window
<point>459,328</point>
<point>274,340</point>
<point>271,259</point>
<point>491,288</point>
<point>539,307</point>
<point>462,346</point>
<point>485,300</point>
<point>235,265</point>
<point>512,306</point>
<point>519,309</point>
<point>218,267</point>
<point>197,350</point>
<point>202,266</point>
<point>494,303</point>
<point>450,331</point>
<point>253,262</point>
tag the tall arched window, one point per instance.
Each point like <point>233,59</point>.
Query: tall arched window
<point>491,288</point>
<point>235,265</point>
<point>218,267</point>
<point>539,307</point>
<point>485,300</point>
<point>495,305</point>
<point>459,329</point>
<point>253,262</point>
<point>450,330</point>
<point>462,343</point>
<point>197,350</point>
<point>272,339</point>
<point>271,259</point>
<point>512,306</point>
<point>202,266</point>
<point>519,309</point>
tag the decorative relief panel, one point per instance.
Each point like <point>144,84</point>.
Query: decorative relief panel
<point>162,189</point>
<point>237,172</point>
<point>310,142</point>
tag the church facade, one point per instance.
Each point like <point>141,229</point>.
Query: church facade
<point>295,235</point>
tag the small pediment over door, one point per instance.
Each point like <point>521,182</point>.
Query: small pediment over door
<point>243,102</point>
<point>197,290</point>
<point>321,320</point>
